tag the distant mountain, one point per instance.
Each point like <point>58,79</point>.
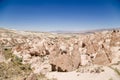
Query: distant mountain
<point>85,31</point>
<point>61,31</point>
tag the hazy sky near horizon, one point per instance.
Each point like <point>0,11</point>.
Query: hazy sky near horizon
<point>52,15</point>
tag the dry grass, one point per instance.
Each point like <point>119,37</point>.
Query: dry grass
<point>116,68</point>
<point>13,69</point>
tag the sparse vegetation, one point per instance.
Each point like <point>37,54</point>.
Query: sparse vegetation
<point>63,50</point>
<point>116,68</point>
<point>110,79</point>
<point>14,69</point>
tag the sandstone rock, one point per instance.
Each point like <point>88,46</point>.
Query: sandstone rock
<point>101,59</point>
<point>32,76</point>
<point>66,52</point>
<point>62,63</point>
<point>2,58</point>
<point>115,54</point>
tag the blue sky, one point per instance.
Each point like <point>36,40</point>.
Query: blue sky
<point>65,15</point>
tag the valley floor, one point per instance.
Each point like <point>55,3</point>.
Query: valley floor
<point>108,74</point>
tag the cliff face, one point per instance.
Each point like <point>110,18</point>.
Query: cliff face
<point>62,52</point>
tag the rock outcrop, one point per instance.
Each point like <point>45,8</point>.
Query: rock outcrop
<point>65,52</point>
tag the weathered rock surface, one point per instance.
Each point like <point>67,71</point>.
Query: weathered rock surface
<point>65,52</point>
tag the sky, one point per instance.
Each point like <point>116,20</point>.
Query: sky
<point>59,15</point>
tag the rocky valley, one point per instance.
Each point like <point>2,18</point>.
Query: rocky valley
<point>27,55</point>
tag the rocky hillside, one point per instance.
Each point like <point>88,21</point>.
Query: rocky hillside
<point>46,52</point>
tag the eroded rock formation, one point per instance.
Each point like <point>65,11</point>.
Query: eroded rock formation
<point>63,52</point>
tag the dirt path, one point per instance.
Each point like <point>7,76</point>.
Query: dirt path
<point>109,74</point>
